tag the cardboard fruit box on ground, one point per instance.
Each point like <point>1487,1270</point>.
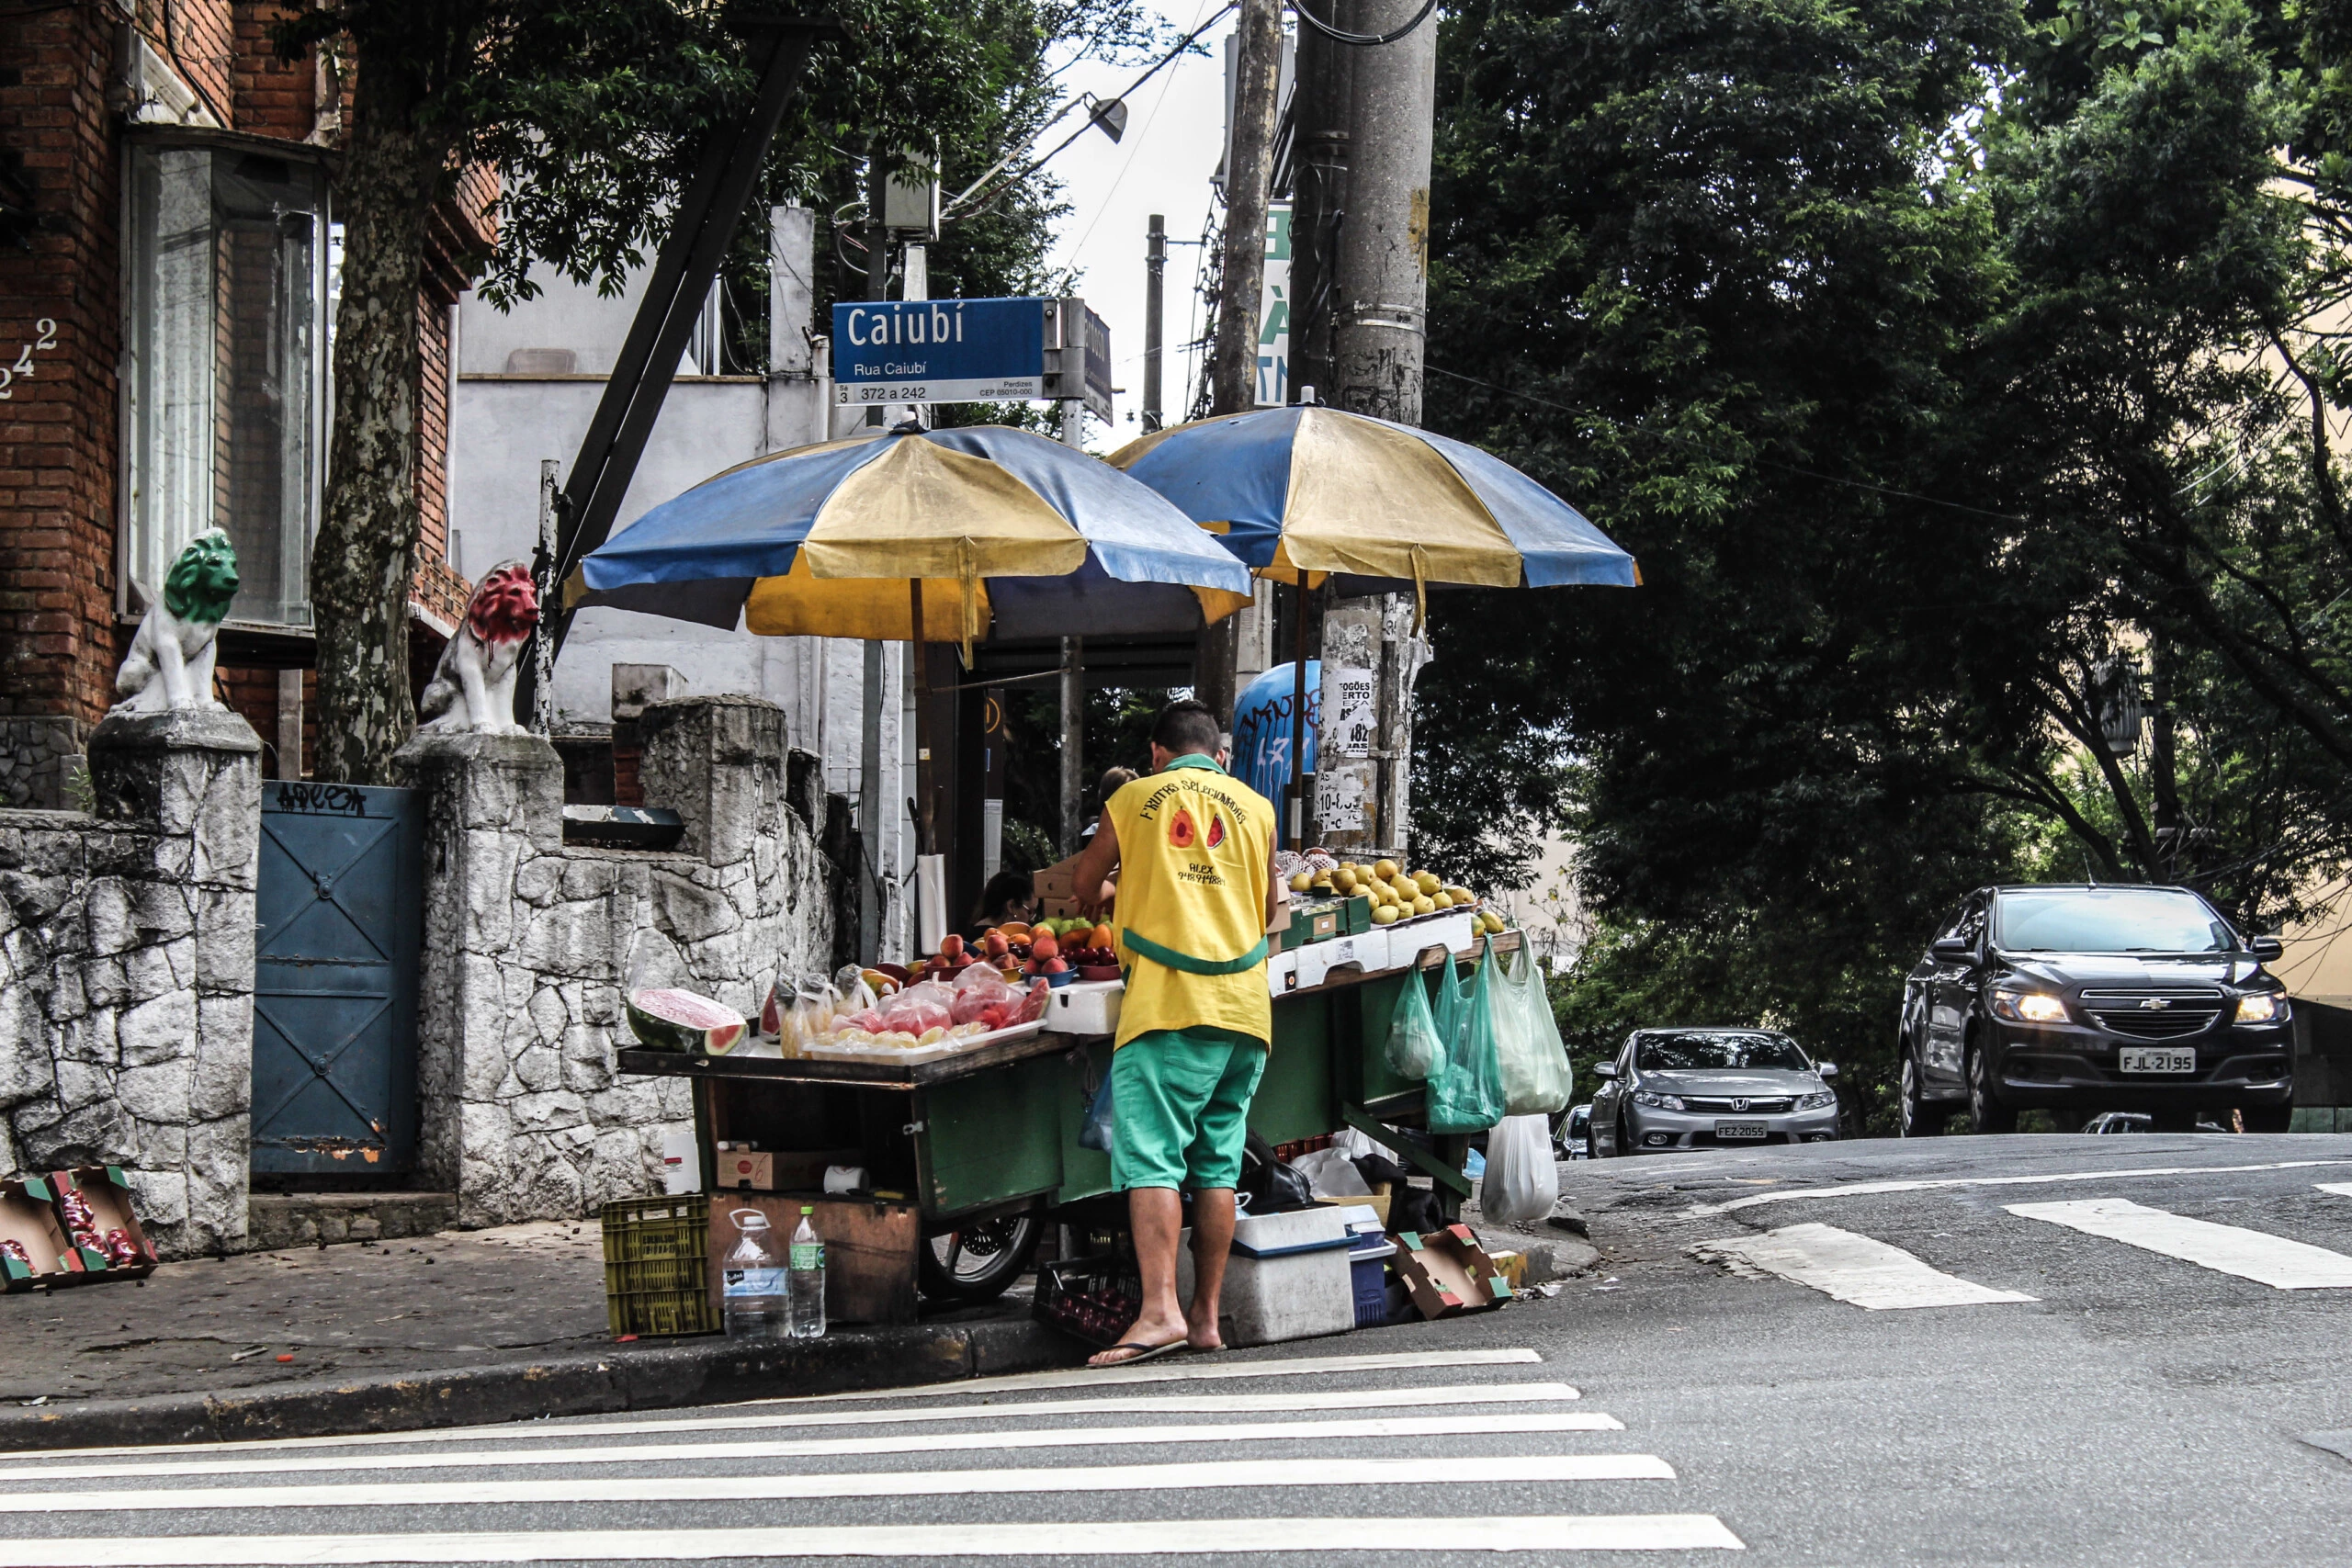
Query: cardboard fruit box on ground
<point>121,1250</point>
<point>29,1218</point>
<point>1447,1272</point>
<point>869,1248</point>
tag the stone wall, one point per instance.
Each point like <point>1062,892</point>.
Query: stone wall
<point>530,945</point>
<point>127,973</point>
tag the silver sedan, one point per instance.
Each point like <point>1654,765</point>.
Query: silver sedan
<point>1702,1089</point>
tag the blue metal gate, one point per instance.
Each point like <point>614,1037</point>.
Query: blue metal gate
<point>335,985</point>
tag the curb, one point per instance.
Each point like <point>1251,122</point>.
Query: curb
<point>627,1377</point>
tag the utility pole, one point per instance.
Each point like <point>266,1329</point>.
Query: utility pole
<point>1319,105</point>
<point>1359,270</point>
<point>1233,375</point>
<point>1155,258</point>
<point>877,772</point>
<point>1073,680</point>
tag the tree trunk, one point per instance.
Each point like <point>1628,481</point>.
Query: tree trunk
<point>366,550</point>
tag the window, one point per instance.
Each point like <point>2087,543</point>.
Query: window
<point>1725,1052</point>
<point>223,396</point>
<point>2111,920</point>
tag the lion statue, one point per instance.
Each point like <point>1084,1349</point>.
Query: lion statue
<point>473,687</point>
<point>170,662</point>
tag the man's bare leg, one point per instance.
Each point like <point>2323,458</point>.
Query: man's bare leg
<point>1157,1216</point>
<point>1212,1244</point>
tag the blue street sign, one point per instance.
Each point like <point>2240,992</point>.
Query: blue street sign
<point>940,351</point>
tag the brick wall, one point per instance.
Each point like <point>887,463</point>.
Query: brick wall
<point>61,430</point>
<point>59,426</point>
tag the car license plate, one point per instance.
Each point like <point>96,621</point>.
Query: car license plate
<point>2156,1059</point>
<point>1739,1129</point>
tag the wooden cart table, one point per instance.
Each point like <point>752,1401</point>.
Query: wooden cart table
<point>993,1133</point>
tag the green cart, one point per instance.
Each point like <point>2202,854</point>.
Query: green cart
<point>985,1145</point>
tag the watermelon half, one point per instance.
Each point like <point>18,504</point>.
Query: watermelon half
<point>681,1020</point>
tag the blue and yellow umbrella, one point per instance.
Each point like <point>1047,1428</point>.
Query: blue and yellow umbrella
<point>984,531</point>
<point>1384,507</point>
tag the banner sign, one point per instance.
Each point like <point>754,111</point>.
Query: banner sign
<point>940,351</point>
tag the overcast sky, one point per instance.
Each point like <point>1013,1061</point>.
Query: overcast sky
<point>1162,164</point>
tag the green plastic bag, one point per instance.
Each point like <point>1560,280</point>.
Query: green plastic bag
<point>1527,1037</point>
<point>1465,1094</point>
<point>1414,1048</point>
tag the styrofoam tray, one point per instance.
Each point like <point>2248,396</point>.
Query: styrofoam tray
<point>915,1053</point>
<point>1087,1007</point>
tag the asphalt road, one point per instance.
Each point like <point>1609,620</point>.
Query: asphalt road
<point>2146,1405</point>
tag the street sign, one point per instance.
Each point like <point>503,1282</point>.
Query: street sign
<point>1274,310</point>
<point>1098,367</point>
<point>940,351</point>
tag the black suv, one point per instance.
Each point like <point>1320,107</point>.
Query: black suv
<point>2089,998</point>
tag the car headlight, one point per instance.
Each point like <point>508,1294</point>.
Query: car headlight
<point>1662,1101</point>
<point>2264,1007</point>
<point>2030,1007</point>
<point>1818,1100</point>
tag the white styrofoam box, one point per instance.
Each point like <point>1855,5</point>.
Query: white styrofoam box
<point>1409,939</point>
<point>1289,1295</point>
<point>1281,974</point>
<point>681,1164</point>
<point>1086,1007</point>
<point>1294,1230</point>
<point>1367,951</point>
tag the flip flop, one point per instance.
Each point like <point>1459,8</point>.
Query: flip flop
<point>1143,1352</point>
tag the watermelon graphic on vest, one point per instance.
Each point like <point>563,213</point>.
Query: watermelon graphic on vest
<point>1180,830</point>
<point>1216,830</point>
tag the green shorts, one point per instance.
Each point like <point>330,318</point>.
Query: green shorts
<point>1180,1100</point>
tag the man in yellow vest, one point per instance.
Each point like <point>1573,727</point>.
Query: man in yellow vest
<point>1194,848</point>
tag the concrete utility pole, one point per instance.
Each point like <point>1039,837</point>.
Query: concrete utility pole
<point>1364,149</point>
<point>1319,105</point>
<point>1155,258</point>
<point>1233,374</point>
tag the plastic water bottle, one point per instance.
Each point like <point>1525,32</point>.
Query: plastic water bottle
<point>806,1275</point>
<point>752,1286</point>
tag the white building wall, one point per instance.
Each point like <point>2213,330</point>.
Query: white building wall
<point>528,384</point>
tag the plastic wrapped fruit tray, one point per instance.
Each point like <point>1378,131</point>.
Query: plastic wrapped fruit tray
<point>913,1053</point>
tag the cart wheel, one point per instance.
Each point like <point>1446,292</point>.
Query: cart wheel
<point>976,1262</point>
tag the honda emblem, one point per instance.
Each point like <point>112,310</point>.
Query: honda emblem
<point>1739,1105</point>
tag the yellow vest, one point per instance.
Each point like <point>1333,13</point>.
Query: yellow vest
<point>1193,850</point>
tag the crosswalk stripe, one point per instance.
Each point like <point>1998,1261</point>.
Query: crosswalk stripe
<point>809,1447</point>
<point>2272,1260</point>
<point>1853,1268</point>
<point>1408,1471</point>
<point>2341,1188</point>
<point>1184,1369</point>
<point>1181,1370</point>
<point>1869,1188</point>
<point>1164,1404</point>
<point>1139,1538</point>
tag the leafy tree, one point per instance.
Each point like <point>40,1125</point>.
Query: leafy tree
<point>593,111</point>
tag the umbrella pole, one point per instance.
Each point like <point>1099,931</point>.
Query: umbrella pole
<point>925,842</point>
<point>1298,717</point>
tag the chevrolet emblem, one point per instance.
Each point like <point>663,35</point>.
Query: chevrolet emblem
<point>2154,1004</point>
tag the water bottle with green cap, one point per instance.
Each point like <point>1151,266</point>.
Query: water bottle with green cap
<point>805,1279</point>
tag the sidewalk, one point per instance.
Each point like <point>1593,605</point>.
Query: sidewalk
<point>462,1326</point>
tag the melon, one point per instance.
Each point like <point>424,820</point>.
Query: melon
<point>681,1020</point>
<point>1216,830</point>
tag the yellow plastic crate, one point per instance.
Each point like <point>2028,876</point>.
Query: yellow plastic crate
<point>656,1266</point>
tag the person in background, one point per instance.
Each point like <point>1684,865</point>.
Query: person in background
<point>1113,781</point>
<point>1007,896</point>
<point>1195,849</point>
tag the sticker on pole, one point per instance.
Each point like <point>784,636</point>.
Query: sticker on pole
<point>940,351</point>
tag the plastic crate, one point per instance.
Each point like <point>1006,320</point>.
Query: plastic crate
<point>1370,1268</point>
<point>656,1266</point>
<point>1096,1299</point>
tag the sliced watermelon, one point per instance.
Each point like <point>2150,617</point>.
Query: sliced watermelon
<point>681,1020</point>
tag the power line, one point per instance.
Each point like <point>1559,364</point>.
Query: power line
<point>1361,41</point>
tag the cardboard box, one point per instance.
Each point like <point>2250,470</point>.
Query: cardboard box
<point>739,1170</point>
<point>107,1192</point>
<point>869,1249</point>
<point>1057,887</point>
<point>1447,1272</point>
<point>29,1218</point>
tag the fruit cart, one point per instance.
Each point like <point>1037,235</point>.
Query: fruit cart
<point>985,1143</point>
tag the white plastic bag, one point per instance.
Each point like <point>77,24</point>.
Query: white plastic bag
<point>1329,1175</point>
<point>1527,1037</point>
<point>1522,1182</point>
